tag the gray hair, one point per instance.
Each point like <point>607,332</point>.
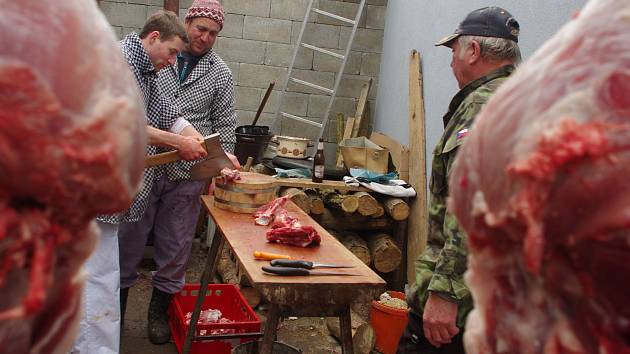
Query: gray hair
<point>492,48</point>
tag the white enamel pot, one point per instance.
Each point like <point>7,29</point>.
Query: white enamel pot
<point>292,147</point>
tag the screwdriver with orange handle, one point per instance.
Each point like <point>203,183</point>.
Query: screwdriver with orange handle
<point>270,256</point>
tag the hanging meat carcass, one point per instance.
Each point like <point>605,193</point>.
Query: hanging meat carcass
<point>72,137</point>
<point>542,188</point>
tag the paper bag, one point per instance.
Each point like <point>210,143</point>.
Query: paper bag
<point>362,153</point>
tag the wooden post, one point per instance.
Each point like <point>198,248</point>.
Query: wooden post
<point>172,5</point>
<point>298,197</point>
<point>418,217</point>
<point>397,208</point>
<point>386,255</point>
<point>367,204</point>
<point>357,245</point>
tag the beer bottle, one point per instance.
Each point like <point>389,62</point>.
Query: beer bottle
<point>318,162</point>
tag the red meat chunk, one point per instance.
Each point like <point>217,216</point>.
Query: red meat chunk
<point>542,188</point>
<point>72,137</point>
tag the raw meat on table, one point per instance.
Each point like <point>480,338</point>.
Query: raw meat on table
<point>266,213</point>
<point>72,138</point>
<point>285,228</point>
<point>542,188</point>
<point>295,235</point>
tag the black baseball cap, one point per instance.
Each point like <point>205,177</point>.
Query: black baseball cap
<point>489,21</point>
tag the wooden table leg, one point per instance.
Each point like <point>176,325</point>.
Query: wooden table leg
<point>273,317</point>
<point>211,263</point>
<point>345,327</point>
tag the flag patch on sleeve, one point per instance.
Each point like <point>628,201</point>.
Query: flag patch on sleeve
<point>462,134</point>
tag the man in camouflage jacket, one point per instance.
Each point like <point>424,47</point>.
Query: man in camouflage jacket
<point>485,51</point>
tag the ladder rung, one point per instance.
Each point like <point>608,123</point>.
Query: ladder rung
<point>317,87</point>
<point>287,115</point>
<point>336,17</point>
<point>321,50</point>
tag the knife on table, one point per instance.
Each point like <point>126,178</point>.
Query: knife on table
<point>289,271</point>
<point>304,264</point>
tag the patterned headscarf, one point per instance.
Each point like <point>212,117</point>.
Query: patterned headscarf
<point>211,9</point>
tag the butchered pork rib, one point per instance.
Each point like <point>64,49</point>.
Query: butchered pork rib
<point>72,137</point>
<point>542,188</point>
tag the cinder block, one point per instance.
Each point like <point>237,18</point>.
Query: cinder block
<point>376,17</point>
<point>320,78</point>
<point>323,36</point>
<point>280,55</point>
<point>248,7</point>
<point>138,2</point>
<point>324,62</point>
<point>369,2</point>
<point>125,15</point>
<point>241,50</point>
<point>292,9</point>
<point>291,127</point>
<point>233,26</point>
<point>183,4</point>
<point>317,106</point>
<point>151,10</point>
<point>127,30</point>
<point>234,68</point>
<point>247,118</point>
<point>365,40</point>
<point>351,86</point>
<point>118,31</point>
<point>371,64</point>
<point>293,103</point>
<point>247,98</point>
<point>340,8</point>
<point>267,29</point>
<point>252,75</point>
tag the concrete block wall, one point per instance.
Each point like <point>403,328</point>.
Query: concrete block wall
<point>258,40</point>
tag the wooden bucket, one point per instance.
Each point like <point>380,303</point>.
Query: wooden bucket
<point>246,195</point>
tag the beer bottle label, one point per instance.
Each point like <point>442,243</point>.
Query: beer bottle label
<point>319,171</point>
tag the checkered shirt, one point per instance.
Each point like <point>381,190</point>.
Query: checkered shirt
<point>160,113</point>
<point>206,100</point>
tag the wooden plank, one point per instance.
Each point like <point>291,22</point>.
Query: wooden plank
<point>418,217</point>
<point>326,184</point>
<point>366,121</point>
<point>341,122</point>
<point>346,134</point>
<point>313,294</point>
<point>361,116</point>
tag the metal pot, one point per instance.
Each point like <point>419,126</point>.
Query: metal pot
<point>253,130</point>
<point>292,147</point>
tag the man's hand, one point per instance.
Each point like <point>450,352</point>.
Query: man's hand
<point>234,160</point>
<point>191,148</point>
<point>439,319</point>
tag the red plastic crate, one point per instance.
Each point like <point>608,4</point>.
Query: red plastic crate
<point>224,297</point>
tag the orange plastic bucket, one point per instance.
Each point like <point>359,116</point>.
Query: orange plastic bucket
<point>388,323</point>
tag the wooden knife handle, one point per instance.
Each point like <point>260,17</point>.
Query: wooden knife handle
<point>161,159</point>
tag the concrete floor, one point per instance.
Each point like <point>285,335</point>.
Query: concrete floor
<point>308,334</point>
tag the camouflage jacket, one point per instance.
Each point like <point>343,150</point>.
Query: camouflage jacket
<point>441,267</point>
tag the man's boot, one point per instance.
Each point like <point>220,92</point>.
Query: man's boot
<point>124,294</point>
<point>159,332</point>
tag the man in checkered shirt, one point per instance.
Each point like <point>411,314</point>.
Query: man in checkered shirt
<point>201,84</point>
<point>162,37</point>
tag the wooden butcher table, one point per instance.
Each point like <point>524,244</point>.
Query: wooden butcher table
<point>308,296</point>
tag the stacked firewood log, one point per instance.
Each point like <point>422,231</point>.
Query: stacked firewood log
<point>359,220</point>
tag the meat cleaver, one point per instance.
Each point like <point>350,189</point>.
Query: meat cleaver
<point>209,167</point>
